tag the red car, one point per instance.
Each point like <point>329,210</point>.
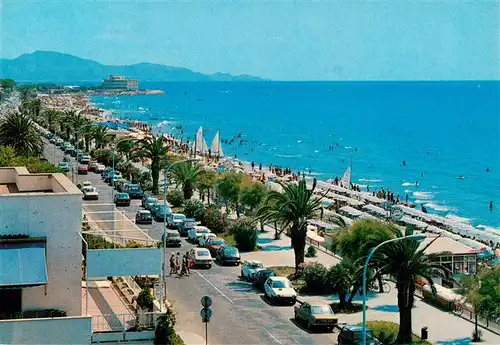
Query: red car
<point>214,244</point>
<point>83,169</point>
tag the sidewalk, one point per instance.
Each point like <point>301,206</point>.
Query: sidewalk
<point>444,328</point>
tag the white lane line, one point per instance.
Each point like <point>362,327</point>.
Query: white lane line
<point>274,338</point>
<point>215,287</point>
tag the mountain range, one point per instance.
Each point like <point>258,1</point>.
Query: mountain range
<point>48,66</point>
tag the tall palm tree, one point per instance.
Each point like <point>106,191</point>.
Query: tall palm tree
<point>125,147</point>
<point>292,208</point>
<point>186,174</point>
<point>76,121</point>
<point>51,117</point>
<point>406,262</point>
<point>206,182</point>
<point>18,131</point>
<point>154,149</point>
<point>101,136</point>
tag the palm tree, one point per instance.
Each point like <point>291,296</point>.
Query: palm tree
<point>186,174</point>
<point>152,148</point>
<point>206,182</point>
<point>101,136</point>
<point>76,122</point>
<point>292,208</point>
<point>18,131</point>
<point>126,147</point>
<point>51,117</point>
<point>405,261</point>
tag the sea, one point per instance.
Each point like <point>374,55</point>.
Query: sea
<point>437,142</point>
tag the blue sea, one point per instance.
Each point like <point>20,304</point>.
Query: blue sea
<point>441,130</point>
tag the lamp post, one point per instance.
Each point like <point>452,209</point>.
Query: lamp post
<point>365,269</point>
<point>164,239</point>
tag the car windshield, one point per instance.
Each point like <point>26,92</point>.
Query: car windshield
<point>173,234</point>
<point>133,188</point>
<point>321,309</point>
<point>145,215</point>
<point>151,199</point>
<point>178,217</point>
<point>359,335</point>
<point>190,223</point>
<point>203,253</point>
<point>123,196</point>
<point>203,231</point>
<point>230,251</point>
<point>255,265</point>
<point>217,242</point>
<point>281,284</point>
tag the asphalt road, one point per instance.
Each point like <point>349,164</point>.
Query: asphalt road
<point>241,315</point>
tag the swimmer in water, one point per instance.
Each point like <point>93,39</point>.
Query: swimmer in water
<point>487,169</point>
<point>491,205</point>
<point>404,163</point>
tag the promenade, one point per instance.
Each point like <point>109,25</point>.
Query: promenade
<point>444,328</point>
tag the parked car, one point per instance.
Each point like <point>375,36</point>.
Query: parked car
<point>77,153</point>
<point>59,142</point>
<point>90,193</point>
<point>143,217</point>
<point>114,180</point>
<point>353,335</point>
<point>186,225</point>
<point>214,244</point>
<point>134,191</point>
<point>116,175</point>
<point>69,149</point>
<point>200,257</point>
<point>147,198</point>
<point>197,232</point>
<point>86,184</point>
<point>64,166</point>
<point>83,169</point>
<point>261,278</point>
<point>228,255</point>
<point>122,199</point>
<point>175,219</point>
<point>84,159</point>
<point>100,168</point>
<point>250,268</point>
<point>316,315</point>
<point>203,239</point>
<point>121,185</point>
<point>53,140</point>
<point>93,166</point>
<point>279,289</point>
<point>173,238</point>
<point>160,211</point>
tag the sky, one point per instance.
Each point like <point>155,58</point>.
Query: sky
<point>279,40</point>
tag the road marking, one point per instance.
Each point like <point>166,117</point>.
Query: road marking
<point>215,287</point>
<point>274,338</point>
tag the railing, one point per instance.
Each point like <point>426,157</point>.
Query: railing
<point>123,322</point>
<point>322,247</point>
<point>132,284</point>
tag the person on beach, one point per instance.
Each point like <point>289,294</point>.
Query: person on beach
<point>407,198</point>
<point>491,205</point>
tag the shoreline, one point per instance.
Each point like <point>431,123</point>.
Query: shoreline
<point>140,129</point>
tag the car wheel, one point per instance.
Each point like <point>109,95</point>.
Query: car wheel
<point>295,317</point>
<point>309,325</point>
<point>241,275</point>
<point>329,329</point>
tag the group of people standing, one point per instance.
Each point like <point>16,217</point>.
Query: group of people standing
<point>180,264</point>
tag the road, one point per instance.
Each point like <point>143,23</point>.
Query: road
<point>241,315</point>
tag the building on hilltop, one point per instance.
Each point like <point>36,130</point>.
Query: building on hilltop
<point>119,83</point>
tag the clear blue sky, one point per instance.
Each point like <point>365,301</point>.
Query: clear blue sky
<point>282,40</point>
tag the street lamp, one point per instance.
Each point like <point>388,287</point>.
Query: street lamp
<point>164,256</point>
<point>365,269</point>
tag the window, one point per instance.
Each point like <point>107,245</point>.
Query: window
<point>281,284</point>
<point>203,253</point>
<point>322,310</point>
<point>10,302</point>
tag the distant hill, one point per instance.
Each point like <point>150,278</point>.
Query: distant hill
<point>47,66</point>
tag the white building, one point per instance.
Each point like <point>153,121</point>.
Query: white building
<point>40,258</point>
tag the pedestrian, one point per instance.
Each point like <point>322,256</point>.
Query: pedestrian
<point>183,266</point>
<point>177,262</point>
<point>172,264</point>
<point>187,263</point>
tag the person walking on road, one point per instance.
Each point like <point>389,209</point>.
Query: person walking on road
<point>172,265</point>
<point>186,264</point>
<point>178,263</point>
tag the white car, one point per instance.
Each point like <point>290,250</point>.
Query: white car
<point>197,232</point>
<point>200,257</point>
<point>100,168</point>
<point>250,268</point>
<point>175,219</point>
<point>86,184</point>
<point>203,239</point>
<point>279,289</point>
<point>90,193</point>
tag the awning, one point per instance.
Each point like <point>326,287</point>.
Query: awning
<point>22,264</point>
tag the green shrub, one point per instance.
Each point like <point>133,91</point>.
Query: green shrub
<point>315,276</point>
<point>165,329</point>
<point>194,209</point>
<point>245,234</point>
<point>104,156</point>
<point>145,299</point>
<point>175,198</point>
<point>386,332</point>
<point>215,220</point>
<point>311,252</point>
